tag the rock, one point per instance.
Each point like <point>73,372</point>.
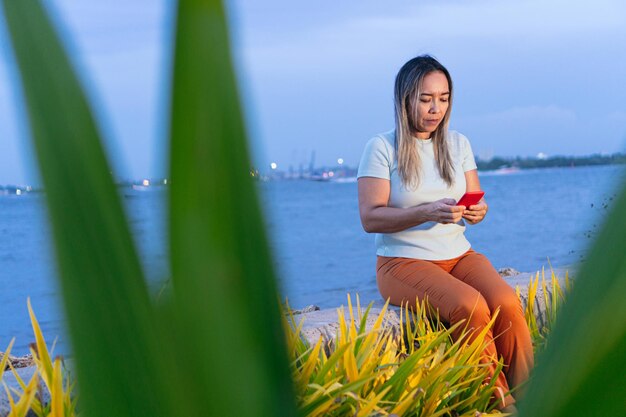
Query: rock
<point>507,272</point>
<point>19,361</point>
<point>306,309</point>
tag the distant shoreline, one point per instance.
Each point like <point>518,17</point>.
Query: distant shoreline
<point>550,162</point>
<point>326,173</point>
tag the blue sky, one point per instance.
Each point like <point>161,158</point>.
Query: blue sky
<point>530,76</point>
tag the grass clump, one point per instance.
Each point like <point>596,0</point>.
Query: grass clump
<point>542,303</point>
<point>414,370</point>
<point>49,380</point>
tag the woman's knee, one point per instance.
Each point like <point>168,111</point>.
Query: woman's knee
<point>396,292</point>
<point>509,304</point>
<point>472,308</point>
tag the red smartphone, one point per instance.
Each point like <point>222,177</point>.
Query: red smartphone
<point>470,198</point>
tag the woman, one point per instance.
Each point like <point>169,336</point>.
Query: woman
<point>409,181</point>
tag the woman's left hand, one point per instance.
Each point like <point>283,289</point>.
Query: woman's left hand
<point>476,213</point>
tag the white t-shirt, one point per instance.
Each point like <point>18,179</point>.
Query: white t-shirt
<point>430,240</point>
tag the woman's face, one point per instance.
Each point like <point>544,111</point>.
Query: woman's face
<point>432,104</point>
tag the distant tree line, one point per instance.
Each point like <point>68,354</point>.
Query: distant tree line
<point>554,161</point>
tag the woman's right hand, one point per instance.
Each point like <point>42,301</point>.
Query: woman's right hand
<point>445,211</point>
<point>378,217</point>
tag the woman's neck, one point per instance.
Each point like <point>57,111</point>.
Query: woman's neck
<point>421,135</point>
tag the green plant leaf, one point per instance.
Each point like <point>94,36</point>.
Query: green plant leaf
<point>581,372</point>
<point>106,303</point>
<point>222,277</point>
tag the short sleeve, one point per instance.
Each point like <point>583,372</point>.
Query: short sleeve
<point>467,155</point>
<point>375,161</point>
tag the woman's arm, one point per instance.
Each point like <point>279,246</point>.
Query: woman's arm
<point>476,213</point>
<point>378,217</point>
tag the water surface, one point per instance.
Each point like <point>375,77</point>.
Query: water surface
<point>320,250</point>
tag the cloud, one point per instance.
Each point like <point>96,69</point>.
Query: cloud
<point>421,23</point>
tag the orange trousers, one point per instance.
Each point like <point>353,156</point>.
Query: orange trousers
<point>466,288</point>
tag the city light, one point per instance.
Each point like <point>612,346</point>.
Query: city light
<point>340,161</point>
<point>273,165</point>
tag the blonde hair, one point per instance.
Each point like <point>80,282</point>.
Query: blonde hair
<point>407,90</point>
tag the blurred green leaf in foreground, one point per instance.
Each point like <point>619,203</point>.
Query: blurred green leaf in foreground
<point>216,346</point>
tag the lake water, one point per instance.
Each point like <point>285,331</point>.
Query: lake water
<point>320,250</point>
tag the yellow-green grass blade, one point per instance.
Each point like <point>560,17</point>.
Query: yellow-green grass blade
<point>581,370</point>
<point>352,325</point>
<point>105,297</point>
<point>372,403</point>
<point>20,409</point>
<point>42,354</point>
<point>401,374</point>
<point>311,363</point>
<point>56,391</point>
<point>17,376</point>
<point>222,275</point>
<point>5,358</point>
<point>402,406</point>
<point>377,328</point>
<point>331,395</point>
<point>330,363</point>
